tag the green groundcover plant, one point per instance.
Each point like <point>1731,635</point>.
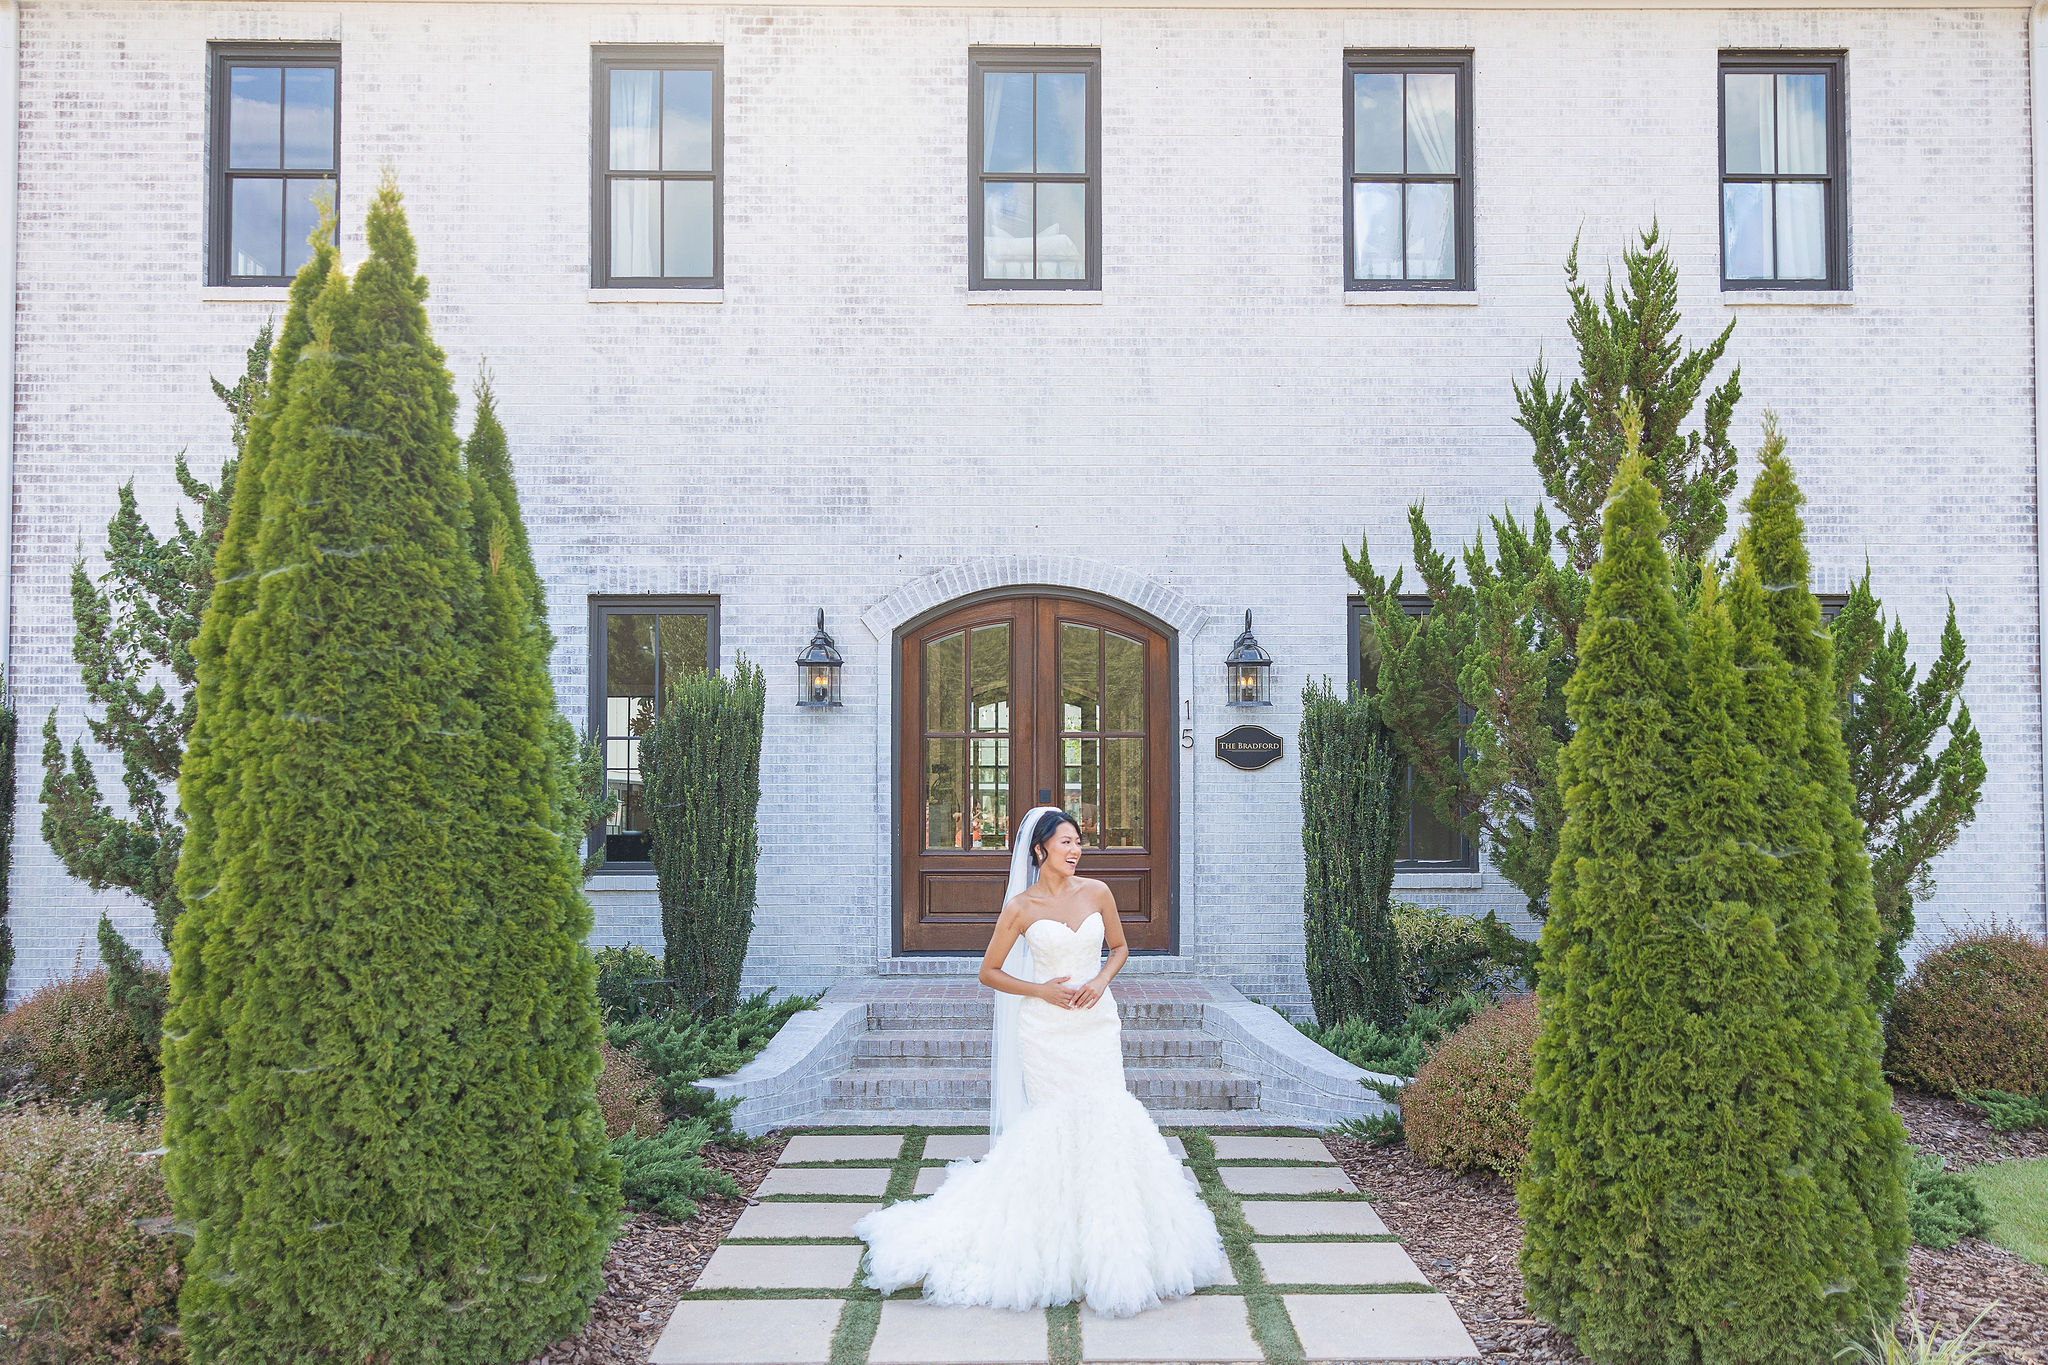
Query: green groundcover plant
<point>381,1047</point>
<point>1943,1206</point>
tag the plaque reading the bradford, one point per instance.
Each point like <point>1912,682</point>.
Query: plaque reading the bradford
<point>1249,747</point>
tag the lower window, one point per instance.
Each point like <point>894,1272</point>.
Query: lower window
<point>639,648</point>
<point>1426,843</point>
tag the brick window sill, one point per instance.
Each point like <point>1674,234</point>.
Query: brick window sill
<point>245,293</point>
<point>1041,297</point>
<point>1416,879</point>
<point>1788,298</point>
<point>657,296</point>
<point>1411,298</point>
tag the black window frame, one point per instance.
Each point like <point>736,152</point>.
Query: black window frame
<point>982,61</point>
<point>634,604</point>
<point>220,176</point>
<point>1835,64</point>
<point>1357,621</point>
<point>606,58</point>
<point>1424,61</point>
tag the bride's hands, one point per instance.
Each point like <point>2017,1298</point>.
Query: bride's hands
<point>1057,994</point>
<point>1085,996</point>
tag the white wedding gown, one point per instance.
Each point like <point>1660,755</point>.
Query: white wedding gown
<point>1079,1198</point>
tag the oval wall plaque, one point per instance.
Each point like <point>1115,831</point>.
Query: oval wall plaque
<point>1249,747</point>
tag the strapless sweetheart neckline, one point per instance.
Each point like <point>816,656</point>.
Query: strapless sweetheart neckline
<point>1092,914</point>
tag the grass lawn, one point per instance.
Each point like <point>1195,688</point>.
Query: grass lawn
<point>2016,1193</point>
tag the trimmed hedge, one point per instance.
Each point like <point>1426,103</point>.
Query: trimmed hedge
<point>77,1044</point>
<point>89,1264</point>
<point>1463,1111</point>
<point>1973,1016</point>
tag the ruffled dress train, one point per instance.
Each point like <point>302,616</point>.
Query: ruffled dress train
<point>1080,1198</point>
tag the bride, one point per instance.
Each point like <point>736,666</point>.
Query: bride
<point>1079,1196</point>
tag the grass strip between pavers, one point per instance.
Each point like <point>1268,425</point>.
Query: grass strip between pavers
<point>1271,1327</point>
<point>855,1335</point>
<point>1063,1334</point>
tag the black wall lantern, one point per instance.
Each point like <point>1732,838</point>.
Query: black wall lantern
<point>1247,672</point>
<point>817,670</point>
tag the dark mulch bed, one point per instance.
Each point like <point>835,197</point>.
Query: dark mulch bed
<point>1464,1233</point>
<point>652,1262</point>
<point>1959,1132</point>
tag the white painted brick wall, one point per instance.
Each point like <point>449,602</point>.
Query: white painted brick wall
<point>845,423</point>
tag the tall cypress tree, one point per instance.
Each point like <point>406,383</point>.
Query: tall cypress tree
<point>1350,798</point>
<point>1582,1257</point>
<point>381,1045</point>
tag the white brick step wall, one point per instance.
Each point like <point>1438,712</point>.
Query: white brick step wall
<point>901,1047</point>
<point>966,1087</point>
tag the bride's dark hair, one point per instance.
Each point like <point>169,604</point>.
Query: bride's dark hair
<point>1049,825</point>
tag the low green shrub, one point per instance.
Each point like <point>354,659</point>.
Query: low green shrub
<point>1942,1205</point>
<point>77,1045</point>
<point>631,984</point>
<point>2010,1113</point>
<point>667,1171</point>
<point>1397,1052</point>
<point>1446,955</point>
<point>681,1048</point>
<point>89,1266</point>
<point>1973,1016</point>
<point>1463,1111</point>
<point>627,1094</point>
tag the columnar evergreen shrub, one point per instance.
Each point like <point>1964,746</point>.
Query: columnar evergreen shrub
<point>1463,1111</point>
<point>381,1049</point>
<point>1350,798</point>
<point>702,766</point>
<point>1973,1016</point>
<point>88,1257</point>
<point>1709,1177</point>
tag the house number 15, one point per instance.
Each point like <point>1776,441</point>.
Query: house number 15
<point>1187,733</point>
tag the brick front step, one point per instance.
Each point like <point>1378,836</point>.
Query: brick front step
<point>966,1087</point>
<point>969,1047</point>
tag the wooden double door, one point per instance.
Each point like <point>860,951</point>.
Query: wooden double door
<point>1021,701</point>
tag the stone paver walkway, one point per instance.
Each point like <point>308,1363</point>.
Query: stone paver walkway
<point>1315,1276</point>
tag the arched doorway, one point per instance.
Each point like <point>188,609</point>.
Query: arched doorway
<point>1025,699</point>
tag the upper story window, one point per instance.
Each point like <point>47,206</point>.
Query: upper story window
<point>657,197</point>
<point>1408,170</point>
<point>639,646</point>
<point>276,142</point>
<point>1035,143</point>
<point>1783,187</point>
<point>1426,843</point>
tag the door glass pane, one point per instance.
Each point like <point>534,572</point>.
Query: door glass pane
<point>685,645</point>
<point>1006,123</point>
<point>1123,793</point>
<point>1749,125</point>
<point>686,228</point>
<point>1376,123</point>
<point>254,119</point>
<point>635,134</point>
<point>1802,230</point>
<point>636,229</point>
<point>301,216</point>
<point>944,772</point>
<point>257,230</point>
<point>685,121</point>
<point>1080,648</point>
<point>989,655</point>
<point>1803,123</point>
<point>1432,235</point>
<point>628,655</point>
<point>1123,703</point>
<point>1006,231</point>
<point>309,117</point>
<point>1081,761</point>
<point>1062,122</point>
<point>1432,123</point>
<point>1376,232</point>
<point>1062,231</point>
<point>945,682</point>
<point>1746,231</point>
<point>988,791</point>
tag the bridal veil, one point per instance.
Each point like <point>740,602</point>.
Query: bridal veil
<point>1006,1068</point>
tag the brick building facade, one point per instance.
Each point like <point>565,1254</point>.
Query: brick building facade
<point>838,419</point>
